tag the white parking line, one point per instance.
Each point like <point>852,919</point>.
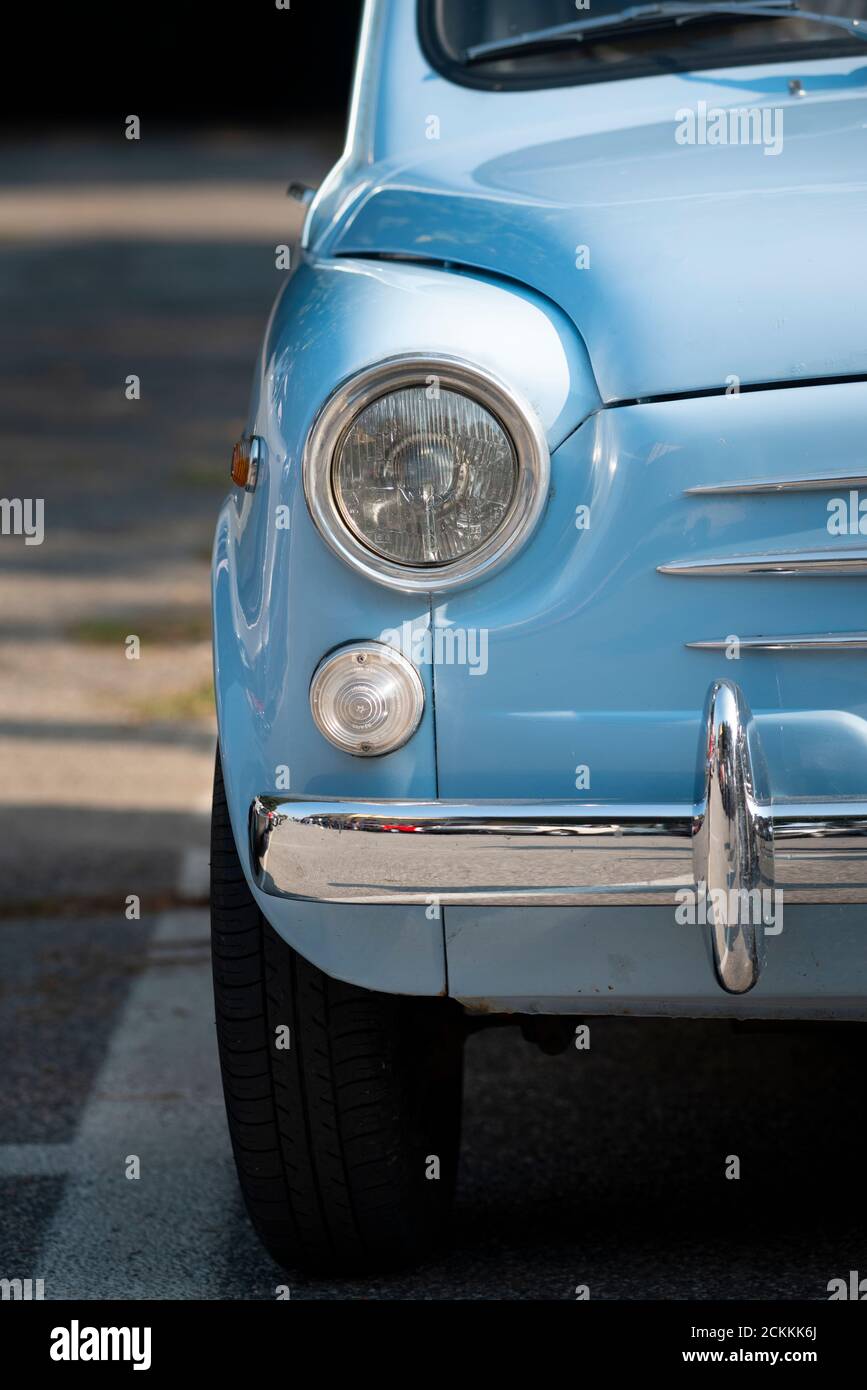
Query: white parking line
<point>194,874</point>
<point>157,1098</point>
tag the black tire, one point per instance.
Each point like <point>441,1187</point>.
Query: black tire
<point>331,1136</point>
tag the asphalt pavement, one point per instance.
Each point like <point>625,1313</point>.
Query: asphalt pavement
<point>603,1167</point>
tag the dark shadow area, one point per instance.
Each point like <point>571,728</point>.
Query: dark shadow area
<point>52,856</point>
<point>179,61</point>
<point>606,1168</point>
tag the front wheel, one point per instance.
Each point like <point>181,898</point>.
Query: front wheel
<point>343,1104</point>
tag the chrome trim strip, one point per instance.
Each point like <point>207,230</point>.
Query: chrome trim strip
<point>801,642</point>
<point>826,819</point>
<point>810,482</point>
<point>257,459</point>
<point>815,837</point>
<point>518,419</point>
<point>532,853</point>
<point>519,853</point>
<point>734,843</point>
<point>843,563</point>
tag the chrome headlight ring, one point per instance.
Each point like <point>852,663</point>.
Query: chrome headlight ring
<point>515,416</point>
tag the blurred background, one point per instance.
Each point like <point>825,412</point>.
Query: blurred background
<point>155,258</point>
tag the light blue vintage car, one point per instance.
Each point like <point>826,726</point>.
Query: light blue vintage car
<point>539,598</point>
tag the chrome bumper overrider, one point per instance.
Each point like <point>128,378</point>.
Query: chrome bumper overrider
<point>532,853</point>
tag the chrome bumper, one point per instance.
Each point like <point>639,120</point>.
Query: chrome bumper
<point>532,853</point>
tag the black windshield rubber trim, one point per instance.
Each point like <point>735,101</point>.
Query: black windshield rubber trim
<point>786,52</point>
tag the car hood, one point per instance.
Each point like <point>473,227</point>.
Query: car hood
<point>702,263</point>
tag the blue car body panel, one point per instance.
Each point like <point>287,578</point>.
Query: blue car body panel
<point>282,599</point>
<point>676,237</point>
<point>706,267</point>
<point>639,961</point>
<point>586,657</point>
<point>705,261</point>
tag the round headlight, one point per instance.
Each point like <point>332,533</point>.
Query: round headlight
<point>366,699</point>
<point>425,472</point>
<point>424,476</point>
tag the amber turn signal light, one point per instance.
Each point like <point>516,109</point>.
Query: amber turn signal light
<point>246,457</point>
<point>241,463</point>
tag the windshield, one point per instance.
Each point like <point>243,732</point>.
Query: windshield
<point>450,28</point>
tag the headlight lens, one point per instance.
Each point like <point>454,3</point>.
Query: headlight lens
<point>425,472</point>
<point>425,476</point>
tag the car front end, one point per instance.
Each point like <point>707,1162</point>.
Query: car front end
<point>538,606</point>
